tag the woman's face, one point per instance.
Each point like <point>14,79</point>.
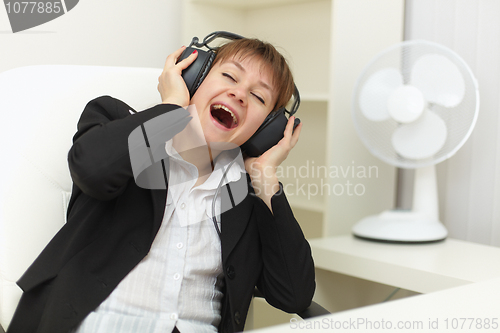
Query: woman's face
<point>234,99</point>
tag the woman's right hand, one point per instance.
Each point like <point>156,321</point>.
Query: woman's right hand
<point>171,85</point>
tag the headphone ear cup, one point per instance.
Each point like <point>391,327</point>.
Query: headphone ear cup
<point>268,135</point>
<point>198,70</point>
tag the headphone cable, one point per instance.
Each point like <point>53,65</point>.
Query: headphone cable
<point>214,218</point>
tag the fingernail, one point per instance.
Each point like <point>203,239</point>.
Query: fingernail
<point>195,51</point>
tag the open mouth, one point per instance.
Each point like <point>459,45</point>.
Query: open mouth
<point>224,116</point>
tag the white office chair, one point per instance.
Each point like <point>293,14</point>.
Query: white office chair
<point>39,109</point>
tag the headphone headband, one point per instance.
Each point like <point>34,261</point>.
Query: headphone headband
<point>214,35</point>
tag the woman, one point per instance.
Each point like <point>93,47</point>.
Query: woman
<point>133,259</point>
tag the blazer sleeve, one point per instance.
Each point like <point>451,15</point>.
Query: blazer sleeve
<point>99,159</point>
<point>287,280</point>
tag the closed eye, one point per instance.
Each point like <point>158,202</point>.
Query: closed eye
<point>260,99</point>
<point>229,76</point>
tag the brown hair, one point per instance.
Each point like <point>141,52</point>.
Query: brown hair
<point>281,74</point>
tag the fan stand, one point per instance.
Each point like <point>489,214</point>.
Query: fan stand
<point>419,225</point>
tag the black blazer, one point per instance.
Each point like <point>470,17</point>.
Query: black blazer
<point>112,223</point>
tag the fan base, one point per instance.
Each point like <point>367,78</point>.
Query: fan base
<point>398,226</point>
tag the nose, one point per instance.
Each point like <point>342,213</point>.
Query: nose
<point>239,95</point>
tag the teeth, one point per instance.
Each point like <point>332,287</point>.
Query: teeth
<point>223,107</point>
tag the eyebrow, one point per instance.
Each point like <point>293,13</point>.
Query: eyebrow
<point>262,83</point>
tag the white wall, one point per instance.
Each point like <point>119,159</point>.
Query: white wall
<point>360,30</point>
<point>111,32</point>
<point>200,19</point>
<point>469,182</point>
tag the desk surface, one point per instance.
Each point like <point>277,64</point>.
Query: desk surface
<point>470,308</point>
<point>422,268</point>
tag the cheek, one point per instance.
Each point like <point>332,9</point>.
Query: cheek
<point>202,93</point>
<point>253,125</point>
<point>197,99</point>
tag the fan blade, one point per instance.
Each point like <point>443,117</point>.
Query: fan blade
<point>421,139</point>
<point>406,104</point>
<point>439,79</point>
<point>375,92</point>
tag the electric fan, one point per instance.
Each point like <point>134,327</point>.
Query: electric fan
<point>414,105</point>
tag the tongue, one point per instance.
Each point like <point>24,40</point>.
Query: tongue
<point>223,117</point>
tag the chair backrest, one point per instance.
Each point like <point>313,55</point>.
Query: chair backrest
<point>39,108</point>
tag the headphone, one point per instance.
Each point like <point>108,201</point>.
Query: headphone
<point>272,129</point>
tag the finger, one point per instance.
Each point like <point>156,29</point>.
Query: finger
<point>188,61</point>
<point>177,53</point>
<point>296,135</point>
<point>289,127</point>
<point>291,135</point>
<point>172,58</point>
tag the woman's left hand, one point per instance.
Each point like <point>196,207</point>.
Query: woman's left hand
<point>262,169</point>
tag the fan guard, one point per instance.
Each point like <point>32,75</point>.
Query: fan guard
<point>458,116</point>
